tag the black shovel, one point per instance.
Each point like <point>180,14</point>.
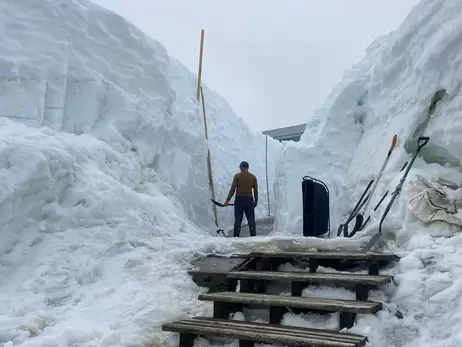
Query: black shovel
<point>422,141</point>
<point>219,203</point>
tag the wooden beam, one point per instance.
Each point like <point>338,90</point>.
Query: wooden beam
<point>265,333</point>
<point>267,183</point>
<point>317,277</point>
<point>209,160</point>
<point>204,113</point>
<point>187,340</point>
<point>199,73</point>
<point>341,255</point>
<point>199,93</point>
<point>327,305</point>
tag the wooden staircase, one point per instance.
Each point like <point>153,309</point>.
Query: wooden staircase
<point>260,268</point>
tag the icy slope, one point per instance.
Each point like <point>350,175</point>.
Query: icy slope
<point>104,190</point>
<point>390,92</point>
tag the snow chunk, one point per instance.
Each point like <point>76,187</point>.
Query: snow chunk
<point>32,324</point>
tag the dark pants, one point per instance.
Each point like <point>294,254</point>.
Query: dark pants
<point>244,204</point>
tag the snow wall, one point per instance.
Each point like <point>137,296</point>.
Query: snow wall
<point>104,193</point>
<point>390,92</point>
<point>80,69</point>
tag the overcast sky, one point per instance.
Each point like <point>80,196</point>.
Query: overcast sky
<point>274,61</point>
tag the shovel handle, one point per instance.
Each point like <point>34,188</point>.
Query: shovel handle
<point>393,143</point>
<point>422,141</point>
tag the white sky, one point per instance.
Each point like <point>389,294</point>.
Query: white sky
<point>274,61</point>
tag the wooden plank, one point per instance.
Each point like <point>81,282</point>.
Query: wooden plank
<point>211,272</point>
<point>216,265</point>
<point>282,328</point>
<point>268,338</point>
<point>264,330</point>
<point>300,276</point>
<point>340,255</point>
<point>329,305</point>
<point>265,333</point>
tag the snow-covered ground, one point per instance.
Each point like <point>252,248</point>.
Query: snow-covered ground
<point>104,190</point>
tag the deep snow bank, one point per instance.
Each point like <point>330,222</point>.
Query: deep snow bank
<point>104,191</point>
<point>78,68</point>
<point>390,92</point>
<point>92,247</point>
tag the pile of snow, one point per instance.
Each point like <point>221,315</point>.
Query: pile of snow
<point>392,91</point>
<point>389,92</point>
<point>104,190</point>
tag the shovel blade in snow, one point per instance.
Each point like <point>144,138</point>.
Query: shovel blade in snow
<point>372,242</point>
<point>221,232</point>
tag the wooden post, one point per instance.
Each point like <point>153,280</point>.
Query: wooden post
<point>205,116</point>
<point>209,161</point>
<point>199,74</point>
<point>267,183</point>
<point>199,93</point>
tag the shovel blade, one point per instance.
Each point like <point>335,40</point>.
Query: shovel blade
<point>219,203</point>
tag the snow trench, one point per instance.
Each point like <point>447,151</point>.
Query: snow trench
<point>104,190</point>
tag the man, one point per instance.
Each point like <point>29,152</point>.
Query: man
<point>243,183</point>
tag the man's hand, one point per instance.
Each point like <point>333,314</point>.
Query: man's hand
<point>256,203</point>
<point>226,203</point>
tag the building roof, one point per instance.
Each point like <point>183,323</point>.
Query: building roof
<point>293,130</point>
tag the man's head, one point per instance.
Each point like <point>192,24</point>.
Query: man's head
<point>244,166</point>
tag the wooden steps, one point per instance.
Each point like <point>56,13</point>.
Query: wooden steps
<point>248,332</point>
<point>300,279</point>
<point>317,277</point>
<point>211,272</point>
<point>254,270</point>
<point>329,305</point>
<point>341,255</point>
<point>230,302</point>
<point>374,261</point>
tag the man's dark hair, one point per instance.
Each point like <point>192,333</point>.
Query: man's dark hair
<point>244,165</point>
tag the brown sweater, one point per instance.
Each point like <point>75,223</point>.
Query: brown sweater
<point>243,183</point>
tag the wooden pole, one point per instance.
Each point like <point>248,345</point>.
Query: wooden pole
<point>199,73</point>
<point>205,116</point>
<point>267,183</point>
<point>199,93</point>
<point>209,161</point>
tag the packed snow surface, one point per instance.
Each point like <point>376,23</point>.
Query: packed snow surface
<point>104,188</point>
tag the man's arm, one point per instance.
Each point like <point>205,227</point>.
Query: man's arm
<point>233,188</point>
<point>255,191</point>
